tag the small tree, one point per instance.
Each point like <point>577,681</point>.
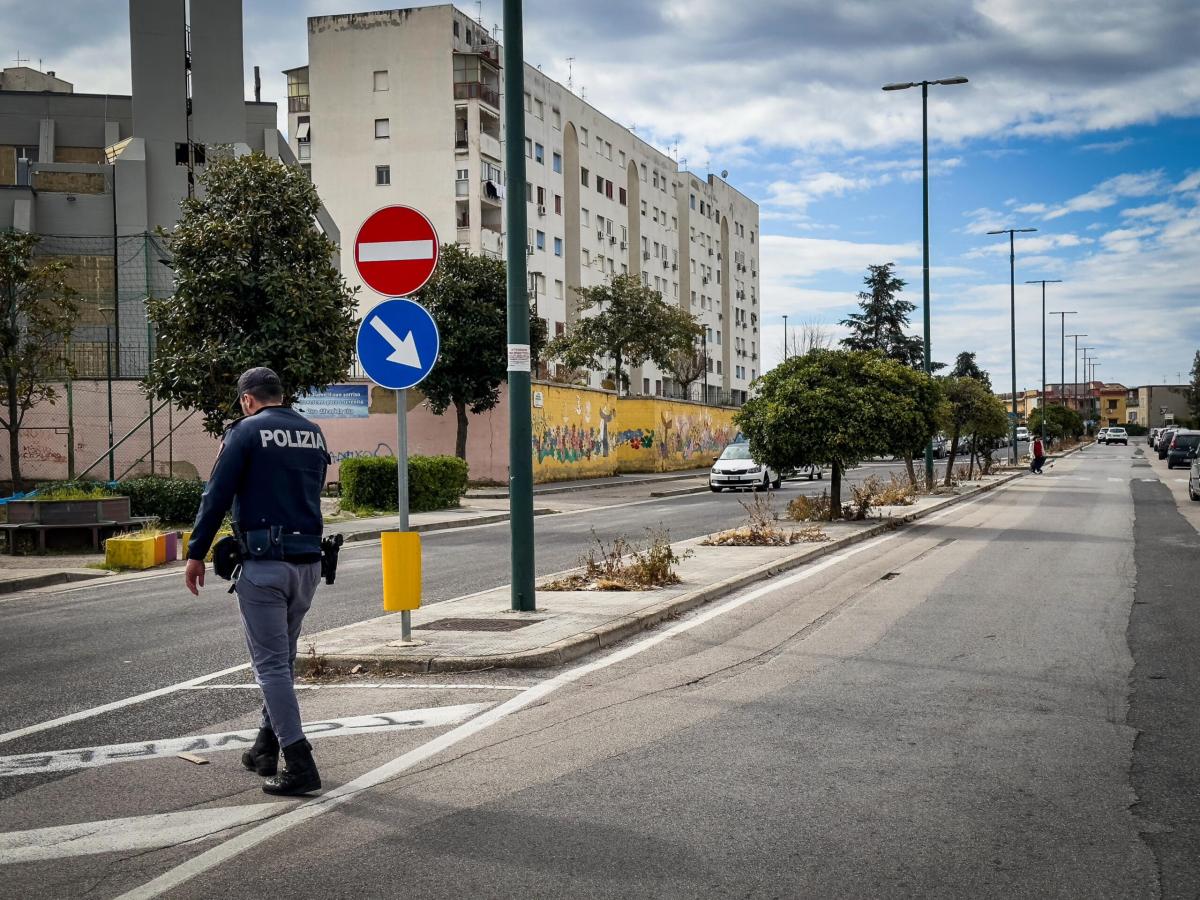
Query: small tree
<point>914,418</point>
<point>1060,422</point>
<point>467,297</point>
<point>632,325</point>
<point>38,312</point>
<point>988,424</point>
<point>255,285</point>
<point>1193,393</point>
<point>967,402</point>
<point>828,407</point>
<point>686,367</point>
<point>965,366</point>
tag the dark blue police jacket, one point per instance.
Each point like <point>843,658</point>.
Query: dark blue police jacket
<point>271,470</point>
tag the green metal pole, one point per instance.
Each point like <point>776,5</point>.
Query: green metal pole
<point>1012,302</point>
<point>149,341</point>
<point>70,427</point>
<point>520,425</point>
<point>925,262</point>
<point>109,371</point>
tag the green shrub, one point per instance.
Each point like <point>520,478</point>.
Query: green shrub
<point>71,490</point>
<point>1136,430</point>
<point>434,482</point>
<point>170,499</point>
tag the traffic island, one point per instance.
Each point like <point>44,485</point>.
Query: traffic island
<point>481,632</point>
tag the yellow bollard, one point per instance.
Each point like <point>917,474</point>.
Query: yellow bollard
<point>401,570</point>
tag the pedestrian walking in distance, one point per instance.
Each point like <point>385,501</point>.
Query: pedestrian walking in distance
<point>1039,456</point>
<point>270,471</point>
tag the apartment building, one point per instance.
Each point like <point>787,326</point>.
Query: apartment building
<point>403,106</point>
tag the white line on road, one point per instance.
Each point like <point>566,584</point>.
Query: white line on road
<point>1150,480</point>
<point>133,833</point>
<point>358,685</point>
<point>395,251</point>
<point>116,704</point>
<point>93,757</point>
<point>252,837</point>
<point>1117,480</point>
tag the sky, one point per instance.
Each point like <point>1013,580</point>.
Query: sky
<point>1081,119</point>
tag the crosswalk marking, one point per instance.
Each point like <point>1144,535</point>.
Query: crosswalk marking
<point>133,833</point>
<point>91,757</point>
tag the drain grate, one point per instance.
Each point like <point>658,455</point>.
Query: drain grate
<point>475,624</point>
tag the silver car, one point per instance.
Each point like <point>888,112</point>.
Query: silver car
<point>736,468</point>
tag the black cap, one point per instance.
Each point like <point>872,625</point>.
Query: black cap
<point>259,376</point>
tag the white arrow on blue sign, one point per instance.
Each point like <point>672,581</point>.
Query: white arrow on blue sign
<point>398,344</point>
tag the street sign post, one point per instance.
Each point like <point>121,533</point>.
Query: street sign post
<point>396,252</point>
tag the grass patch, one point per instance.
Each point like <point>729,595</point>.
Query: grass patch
<point>624,566</point>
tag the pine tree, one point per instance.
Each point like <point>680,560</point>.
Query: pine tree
<point>881,324</point>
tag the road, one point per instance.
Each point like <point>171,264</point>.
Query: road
<point>996,702</point>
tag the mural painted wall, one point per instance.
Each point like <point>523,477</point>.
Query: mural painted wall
<point>657,435</point>
<point>583,433</point>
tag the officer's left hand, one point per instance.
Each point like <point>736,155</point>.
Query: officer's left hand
<point>193,575</point>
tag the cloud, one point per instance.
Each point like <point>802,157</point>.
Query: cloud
<point>1110,146</point>
<point>1107,193</point>
<point>799,194</point>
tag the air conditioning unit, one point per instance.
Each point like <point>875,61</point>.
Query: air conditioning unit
<point>645,254</point>
<point>542,211</point>
<point>665,263</point>
<point>529,249</point>
<point>710,253</point>
<point>674,267</point>
<point>600,234</point>
<point>624,245</point>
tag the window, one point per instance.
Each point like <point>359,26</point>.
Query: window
<point>718,367</point>
<point>556,119</point>
<point>383,175</point>
<point>456,29</point>
<point>541,196</point>
<point>381,80</point>
<point>587,257</point>
<point>599,185</point>
<point>643,171</point>
<point>607,150</point>
<point>462,174</point>
<point>622,196</point>
<point>556,162</point>
<point>558,285</point>
<point>645,385</point>
<point>701,207</point>
<point>528,148</point>
<point>692,200</point>
<point>718,339</point>
<point>528,192</point>
<point>643,207</point>
<point>582,137</point>
<point>654,181</point>
<point>608,189</point>
<point>621,158</point>
<point>541,240</point>
<point>558,252</point>
<point>558,204</point>
<point>585,177</point>
<point>539,154</point>
<point>539,109</point>
<point>584,217</point>
<point>304,150</point>
<point>528,102</point>
<point>383,128</point>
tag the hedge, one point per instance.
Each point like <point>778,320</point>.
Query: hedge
<point>174,500</point>
<point>434,482</point>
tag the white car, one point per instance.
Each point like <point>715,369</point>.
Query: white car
<point>1022,433</point>
<point>1116,436</point>
<point>1102,436</point>
<point>736,468</point>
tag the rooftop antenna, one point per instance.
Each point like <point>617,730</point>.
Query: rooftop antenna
<point>582,92</point>
<point>20,62</point>
<point>571,74</point>
<point>683,163</point>
<point>479,3</point>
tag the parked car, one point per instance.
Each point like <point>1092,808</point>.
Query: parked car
<point>809,472</point>
<point>737,468</point>
<point>1102,436</point>
<point>941,446</point>
<point>1164,441</point>
<point>1194,480</point>
<point>1151,435</point>
<point>1022,433</point>
<point>1180,450</point>
<point>1117,436</point>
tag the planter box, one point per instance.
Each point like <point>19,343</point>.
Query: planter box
<point>131,551</point>
<point>160,549</point>
<point>172,546</point>
<point>68,512</point>
<point>187,536</point>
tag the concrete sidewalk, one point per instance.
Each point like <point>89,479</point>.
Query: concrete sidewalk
<point>480,631</point>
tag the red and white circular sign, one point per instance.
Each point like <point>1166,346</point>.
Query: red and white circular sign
<point>396,250</point>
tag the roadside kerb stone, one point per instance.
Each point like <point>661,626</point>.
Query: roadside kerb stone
<point>12,583</point>
<point>373,534</point>
<point>566,487</point>
<point>340,650</point>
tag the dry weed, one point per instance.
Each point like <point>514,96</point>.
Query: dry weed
<point>624,566</point>
<point>810,509</point>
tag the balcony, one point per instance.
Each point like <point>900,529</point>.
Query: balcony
<point>489,145</point>
<point>474,90</point>
<point>298,104</point>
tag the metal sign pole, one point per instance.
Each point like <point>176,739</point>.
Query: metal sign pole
<point>402,488</point>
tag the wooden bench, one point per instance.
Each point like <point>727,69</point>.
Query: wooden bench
<point>99,531</point>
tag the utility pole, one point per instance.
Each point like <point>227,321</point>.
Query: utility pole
<point>1012,301</point>
<point>1074,384</point>
<point>520,424</point>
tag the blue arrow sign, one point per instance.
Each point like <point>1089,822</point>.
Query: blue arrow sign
<point>398,344</point>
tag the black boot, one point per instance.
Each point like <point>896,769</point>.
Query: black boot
<point>263,755</point>
<point>299,775</point>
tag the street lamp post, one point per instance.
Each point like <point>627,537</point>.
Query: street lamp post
<point>1043,282</point>
<point>1012,302</point>
<point>785,339</point>
<point>901,86</point>
<point>1075,386</point>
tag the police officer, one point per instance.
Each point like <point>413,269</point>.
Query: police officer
<point>270,469</point>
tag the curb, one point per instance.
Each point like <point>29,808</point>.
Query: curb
<point>573,488</point>
<point>373,534</point>
<point>47,579</point>
<point>681,492</point>
<point>572,648</point>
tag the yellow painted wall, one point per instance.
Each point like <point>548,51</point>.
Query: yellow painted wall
<point>585,433</point>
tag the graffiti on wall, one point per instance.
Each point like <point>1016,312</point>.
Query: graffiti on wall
<point>573,434</point>
<point>380,450</point>
<point>691,434</point>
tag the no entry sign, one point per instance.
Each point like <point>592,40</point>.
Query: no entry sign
<point>396,250</point>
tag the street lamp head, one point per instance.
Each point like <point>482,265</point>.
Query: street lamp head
<point>897,86</point>
<point>953,79</point>
<point>1045,281</point>
<point>1019,230</point>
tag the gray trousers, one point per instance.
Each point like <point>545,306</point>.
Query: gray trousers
<point>273,597</point>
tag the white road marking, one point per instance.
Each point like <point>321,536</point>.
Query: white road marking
<point>1150,480</point>
<point>395,251</point>
<point>1181,481</point>
<point>324,803</point>
<point>1117,480</point>
<point>93,757</point>
<point>116,704</point>
<point>382,685</point>
<point>133,833</point>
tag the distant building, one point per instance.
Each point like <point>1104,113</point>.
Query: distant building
<point>1161,404</point>
<point>403,106</point>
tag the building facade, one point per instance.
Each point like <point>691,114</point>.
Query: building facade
<point>404,106</point>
